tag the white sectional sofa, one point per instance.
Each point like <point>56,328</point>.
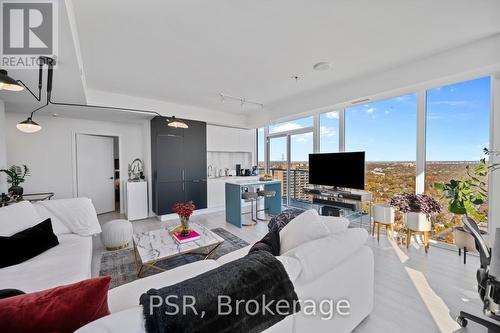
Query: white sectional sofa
<point>337,266</point>
<point>73,221</point>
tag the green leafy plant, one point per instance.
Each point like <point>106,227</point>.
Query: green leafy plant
<point>16,174</point>
<point>465,196</point>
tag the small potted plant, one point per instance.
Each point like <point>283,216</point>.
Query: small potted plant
<point>417,209</point>
<point>16,175</point>
<point>184,210</point>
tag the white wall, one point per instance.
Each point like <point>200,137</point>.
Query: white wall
<point>494,185</point>
<point>49,153</point>
<point>3,148</point>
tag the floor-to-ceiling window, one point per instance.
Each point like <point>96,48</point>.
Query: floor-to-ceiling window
<point>261,151</point>
<point>386,131</point>
<point>301,145</point>
<point>457,131</point>
<point>329,132</point>
<point>291,140</point>
<point>278,163</point>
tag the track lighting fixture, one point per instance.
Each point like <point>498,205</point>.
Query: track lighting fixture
<point>30,126</point>
<point>243,101</point>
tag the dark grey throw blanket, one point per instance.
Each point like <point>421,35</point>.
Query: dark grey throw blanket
<point>259,279</point>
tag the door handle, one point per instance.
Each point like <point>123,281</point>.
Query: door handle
<point>182,174</point>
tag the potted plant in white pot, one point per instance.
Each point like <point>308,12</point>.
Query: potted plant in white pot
<point>468,196</point>
<point>417,210</point>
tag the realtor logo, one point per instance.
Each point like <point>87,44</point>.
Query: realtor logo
<point>29,29</point>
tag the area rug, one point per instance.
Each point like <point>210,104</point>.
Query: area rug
<point>121,264</point>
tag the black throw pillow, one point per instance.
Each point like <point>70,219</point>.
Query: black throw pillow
<point>27,244</point>
<point>270,243</point>
<point>6,293</point>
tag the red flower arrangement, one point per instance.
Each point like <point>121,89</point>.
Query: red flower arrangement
<point>184,209</point>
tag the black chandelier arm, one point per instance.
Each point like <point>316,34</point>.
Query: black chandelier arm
<point>38,108</point>
<point>39,97</point>
<point>50,74</point>
<point>116,108</point>
<point>40,77</point>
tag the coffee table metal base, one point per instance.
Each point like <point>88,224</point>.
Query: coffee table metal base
<point>152,264</point>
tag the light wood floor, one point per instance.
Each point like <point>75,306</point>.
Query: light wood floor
<point>414,291</point>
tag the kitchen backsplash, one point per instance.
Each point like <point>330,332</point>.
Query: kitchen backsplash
<point>222,160</point>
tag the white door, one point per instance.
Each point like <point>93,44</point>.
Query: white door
<point>95,171</point>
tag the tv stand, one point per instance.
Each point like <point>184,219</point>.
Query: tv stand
<point>342,199</point>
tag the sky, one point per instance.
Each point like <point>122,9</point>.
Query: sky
<point>457,127</point>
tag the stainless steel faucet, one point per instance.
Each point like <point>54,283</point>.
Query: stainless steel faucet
<point>210,168</point>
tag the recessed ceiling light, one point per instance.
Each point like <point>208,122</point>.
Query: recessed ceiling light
<point>54,115</point>
<point>322,66</point>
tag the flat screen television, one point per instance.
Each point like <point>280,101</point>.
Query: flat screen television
<point>338,169</point>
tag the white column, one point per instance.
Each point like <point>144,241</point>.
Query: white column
<point>421,136</point>
<point>3,148</point>
<point>316,134</point>
<point>494,179</point>
<point>342,130</point>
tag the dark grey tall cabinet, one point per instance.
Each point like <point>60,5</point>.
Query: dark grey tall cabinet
<point>179,164</point>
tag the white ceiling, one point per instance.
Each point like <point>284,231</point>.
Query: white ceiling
<point>187,52</point>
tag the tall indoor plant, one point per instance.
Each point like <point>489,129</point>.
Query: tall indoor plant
<point>467,195</point>
<point>16,175</point>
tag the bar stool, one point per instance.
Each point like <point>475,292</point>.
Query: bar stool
<point>250,196</point>
<point>263,194</point>
<point>383,215</point>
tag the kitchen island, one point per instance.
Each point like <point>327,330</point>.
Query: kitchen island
<point>234,189</point>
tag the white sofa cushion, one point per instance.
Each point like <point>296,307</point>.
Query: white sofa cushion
<point>231,256</point>
<point>78,214</point>
<point>57,225</point>
<point>127,295</point>
<point>304,228</point>
<point>291,265</point>
<point>323,255</point>
<point>18,217</point>
<point>335,224</point>
<point>66,263</point>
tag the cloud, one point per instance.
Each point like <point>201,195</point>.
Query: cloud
<point>303,137</point>
<point>371,110</point>
<point>327,131</point>
<point>285,127</point>
<point>450,103</point>
<point>332,115</point>
<point>387,112</point>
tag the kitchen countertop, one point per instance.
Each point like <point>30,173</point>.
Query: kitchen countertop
<point>234,178</point>
<point>244,182</point>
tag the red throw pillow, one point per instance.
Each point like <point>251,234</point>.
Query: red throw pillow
<point>61,309</point>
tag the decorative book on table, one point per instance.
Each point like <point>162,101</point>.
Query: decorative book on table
<point>193,235</point>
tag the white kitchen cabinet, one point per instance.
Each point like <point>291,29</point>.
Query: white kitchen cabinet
<point>136,200</point>
<point>215,192</point>
<point>247,140</point>
<point>230,139</point>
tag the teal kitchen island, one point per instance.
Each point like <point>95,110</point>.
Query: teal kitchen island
<point>234,203</point>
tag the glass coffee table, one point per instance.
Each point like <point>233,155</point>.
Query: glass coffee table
<point>157,245</point>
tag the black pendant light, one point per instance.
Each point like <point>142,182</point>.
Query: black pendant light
<point>8,83</point>
<point>28,126</point>
<point>173,122</point>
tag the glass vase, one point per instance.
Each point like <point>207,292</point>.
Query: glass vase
<point>186,230</point>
